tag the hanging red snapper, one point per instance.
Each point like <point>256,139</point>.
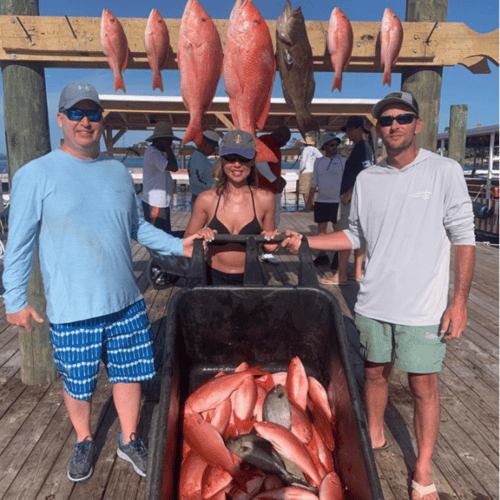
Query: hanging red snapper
<point>157,43</point>
<point>199,56</point>
<point>115,47</point>
<point>249,69</point>
<point>391,40</point>
<point>339,41</point>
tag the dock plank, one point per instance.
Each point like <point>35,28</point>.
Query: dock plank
<point>36,436</point>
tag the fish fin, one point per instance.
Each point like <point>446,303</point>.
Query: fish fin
<point>337,83</point>
<point>125,61</point>
<point>264,153</point>
<point>157,81</point>
<point>387,77</point>
<point>261,121</point>
<point>119,83</point>
<point>244,426</point>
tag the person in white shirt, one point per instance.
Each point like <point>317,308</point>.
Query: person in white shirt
<point>306,165</point>
<point>408,209</point>
<point>158,185</point>
<point>326,180</point>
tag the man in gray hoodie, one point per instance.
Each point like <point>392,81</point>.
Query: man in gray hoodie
<point>407,209</point>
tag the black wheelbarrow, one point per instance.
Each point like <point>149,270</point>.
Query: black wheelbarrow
<point>213,328</point>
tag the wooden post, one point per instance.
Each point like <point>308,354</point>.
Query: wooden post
<point>27,137</point>
<point>458,133</point>
<point>425,83</point>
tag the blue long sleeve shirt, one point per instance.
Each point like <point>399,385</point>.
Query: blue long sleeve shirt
<point>80,217</point>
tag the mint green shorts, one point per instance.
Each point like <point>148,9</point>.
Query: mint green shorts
<point>413,349</point>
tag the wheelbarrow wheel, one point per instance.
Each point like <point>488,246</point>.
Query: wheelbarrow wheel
<point>158,279</point>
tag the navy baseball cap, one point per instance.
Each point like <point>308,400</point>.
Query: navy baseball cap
<point>238,142</point>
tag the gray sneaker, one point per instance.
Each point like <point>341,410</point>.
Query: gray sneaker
<point>80,463</point>
<point>136,453</point>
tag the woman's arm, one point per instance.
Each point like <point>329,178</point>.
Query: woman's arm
<point>268,202</point>
<point>200,214</point>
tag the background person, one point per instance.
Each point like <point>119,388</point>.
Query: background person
<point>407,208</point>
<point>327,177</point>
<point>158,185</point>
<point>200,169</point>
<point>361,157</point>
<point>269,175</point>
<point>306,164</point>
<point>234,206</point>
<point>79,210</point>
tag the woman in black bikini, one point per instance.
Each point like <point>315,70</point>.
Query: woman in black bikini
<point>234,206</point>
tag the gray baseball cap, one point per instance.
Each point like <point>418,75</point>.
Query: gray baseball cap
<point>238,142</point>
<point>75,92</point>
<point>395,98</point>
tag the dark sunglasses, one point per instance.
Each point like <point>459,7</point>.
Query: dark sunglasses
<point>386,121</point>
<point>75,114</point>
<point>234,157</point>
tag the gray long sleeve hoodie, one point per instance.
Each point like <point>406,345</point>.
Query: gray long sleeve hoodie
<point>407,218</point>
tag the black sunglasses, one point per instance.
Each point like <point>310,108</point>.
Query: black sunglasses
<point>75,114</point>
<point>386,121</point>
<point>234,157</point>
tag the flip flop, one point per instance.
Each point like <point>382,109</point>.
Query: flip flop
<point>328,281</point>
<point>385,446</point>
<point>424,490</point>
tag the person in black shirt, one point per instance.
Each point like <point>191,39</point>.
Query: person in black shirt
<point>361,157</point>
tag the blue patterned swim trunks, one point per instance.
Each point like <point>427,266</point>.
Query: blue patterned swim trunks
<point>123,340</point>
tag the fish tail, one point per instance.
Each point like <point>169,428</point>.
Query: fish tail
<point>264,153</point>
<point>306,122</point>
<point>387,77</point>
<point>337,83</point>
<point>157,81</point>
<point>119,83</point>
<point>193,133</point>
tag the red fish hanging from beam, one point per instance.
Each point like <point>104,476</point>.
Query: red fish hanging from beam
<point>157,43</point>
<point>115,47</point>
<point>391,40</point>
<point>340,41</point>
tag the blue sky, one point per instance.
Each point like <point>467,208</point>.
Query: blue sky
<point>460,86</point>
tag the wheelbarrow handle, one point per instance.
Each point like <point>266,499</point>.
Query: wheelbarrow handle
<point>243,238</point>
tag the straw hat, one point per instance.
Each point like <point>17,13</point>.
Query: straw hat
<point>163,129</point>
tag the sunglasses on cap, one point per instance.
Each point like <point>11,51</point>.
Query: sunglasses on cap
<point>234,157</point>
<point>75,114</point>
<point>386,121</point>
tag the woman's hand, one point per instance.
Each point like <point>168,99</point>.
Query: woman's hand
<point>292,241</point>
<point>269,235</point>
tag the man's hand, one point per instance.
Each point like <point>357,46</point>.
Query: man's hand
<point>346,197</point>
<point>292,241</point>
<point>205,234</point>
<point>280,183</point>
<point>454,321</point>
<point>23,317</point>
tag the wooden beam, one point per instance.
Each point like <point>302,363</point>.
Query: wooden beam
<point>226,121</point>
<point>75,42</point>
<point>27,137</point>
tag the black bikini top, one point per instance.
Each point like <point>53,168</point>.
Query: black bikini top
<point>252,228</point>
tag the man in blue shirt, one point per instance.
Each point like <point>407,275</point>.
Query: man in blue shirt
<point>79,210</point>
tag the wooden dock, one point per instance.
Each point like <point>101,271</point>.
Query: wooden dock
<point>36,437</point>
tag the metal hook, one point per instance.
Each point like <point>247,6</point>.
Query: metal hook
<point>436,25</point>
<point>25,31</point>
<point>70,27</point>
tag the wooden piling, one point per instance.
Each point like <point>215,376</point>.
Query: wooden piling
<point>458,132</point>
<point>424,82</point>
<point>27,138</point>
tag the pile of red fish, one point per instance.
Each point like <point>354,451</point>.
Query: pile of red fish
<point>252,434</point>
